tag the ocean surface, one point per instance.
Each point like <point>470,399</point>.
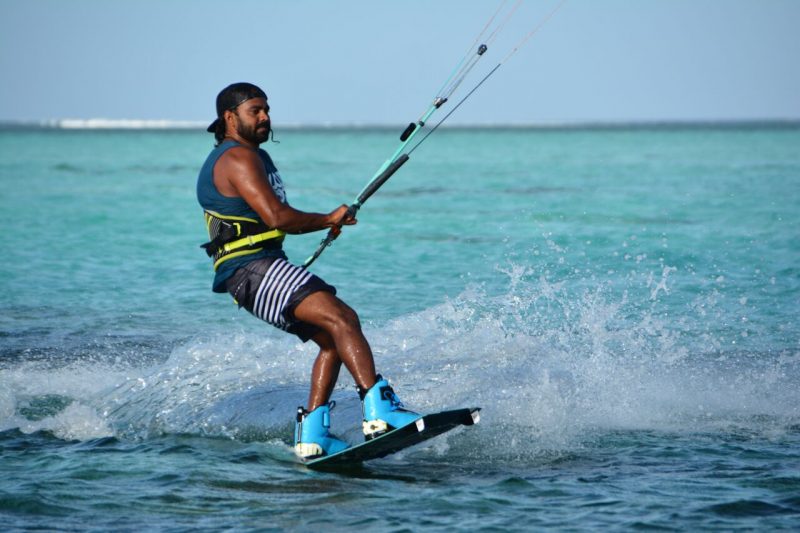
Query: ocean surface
<point>622,303</point>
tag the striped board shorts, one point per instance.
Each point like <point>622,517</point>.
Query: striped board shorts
<point>271,288</point>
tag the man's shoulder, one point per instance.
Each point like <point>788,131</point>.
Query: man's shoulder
<point>240,151</point>
<point>238,155</point>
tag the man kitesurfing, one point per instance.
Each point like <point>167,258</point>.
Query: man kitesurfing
<point>247,216</point>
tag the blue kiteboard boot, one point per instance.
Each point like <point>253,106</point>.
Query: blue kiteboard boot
<point>312,437</point>
<point>383,411</point>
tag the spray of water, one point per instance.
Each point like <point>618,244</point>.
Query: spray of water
<point>550,365</point>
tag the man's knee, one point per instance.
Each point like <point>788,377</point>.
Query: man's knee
<point>328,312</point>
<point>346,317</point>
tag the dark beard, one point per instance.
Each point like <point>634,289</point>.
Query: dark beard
<point>254,135</point>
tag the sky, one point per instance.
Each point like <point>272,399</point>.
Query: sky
<point>381,62</point>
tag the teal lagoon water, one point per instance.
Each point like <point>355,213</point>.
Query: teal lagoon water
<point>621,302</point>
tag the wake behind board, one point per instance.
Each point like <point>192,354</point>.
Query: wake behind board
<point>425,428</point>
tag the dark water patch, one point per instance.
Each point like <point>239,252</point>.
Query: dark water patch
<point>379,472</point>
<point>178,449</point>
<point>171,169</point>
<point>69,168</point>
<point>301,166</point>
<point>167,479</point>
<point>40,407</point>
<point>11,356</point>
<point>14,440</point>
<point>793,502</point>
<point>535,191</point>
<point>775,169</point>
<point>654,221</point>
<point>779,484</point>
<point>514,483</point>
<point>315,190</point>
<point>32,505</point>
<point>749,508</point>
<point>136,169</point>
<point>247,457</point>
<point>417,191</point>
<point>90,474</point>
<point>171,498</point>
<point>103,444</point>
<point>456,238</point>
<point>284,486</point>
<point>639,525</point>
<point>52,348</point>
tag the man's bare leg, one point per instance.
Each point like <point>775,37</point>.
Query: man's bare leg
<point>346,343</point>
<point>342,342</point>
<point>325,371</point>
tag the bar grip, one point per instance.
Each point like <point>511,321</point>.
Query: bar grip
<point>408,131</point>
<point>380,180</point>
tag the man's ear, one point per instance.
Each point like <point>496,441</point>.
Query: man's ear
<point>229,117</point>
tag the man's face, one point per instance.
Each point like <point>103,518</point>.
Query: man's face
<point>252,120</point>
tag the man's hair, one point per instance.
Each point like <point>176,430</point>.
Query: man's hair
<point>219,131</point>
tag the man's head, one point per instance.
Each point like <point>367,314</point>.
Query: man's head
<point>242,109</point>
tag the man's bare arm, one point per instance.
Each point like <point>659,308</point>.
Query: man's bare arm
<point>240,172</point>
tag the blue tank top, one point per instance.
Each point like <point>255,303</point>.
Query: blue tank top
<point>211,200</point>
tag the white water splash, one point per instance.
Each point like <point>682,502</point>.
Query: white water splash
<point>55,400</point>
<point>550,367</point>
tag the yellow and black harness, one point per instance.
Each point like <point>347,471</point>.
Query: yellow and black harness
<point>232,236</point>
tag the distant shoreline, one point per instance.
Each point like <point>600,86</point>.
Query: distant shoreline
<point>171,125</point>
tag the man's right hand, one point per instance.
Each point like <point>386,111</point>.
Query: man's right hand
<point>340,217</point>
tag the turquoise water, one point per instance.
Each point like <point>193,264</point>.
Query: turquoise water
<point>621,303</point>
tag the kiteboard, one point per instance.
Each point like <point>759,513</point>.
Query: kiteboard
<point>425,428</point>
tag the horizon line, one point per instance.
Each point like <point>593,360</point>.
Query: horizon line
<point>188,125</point>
